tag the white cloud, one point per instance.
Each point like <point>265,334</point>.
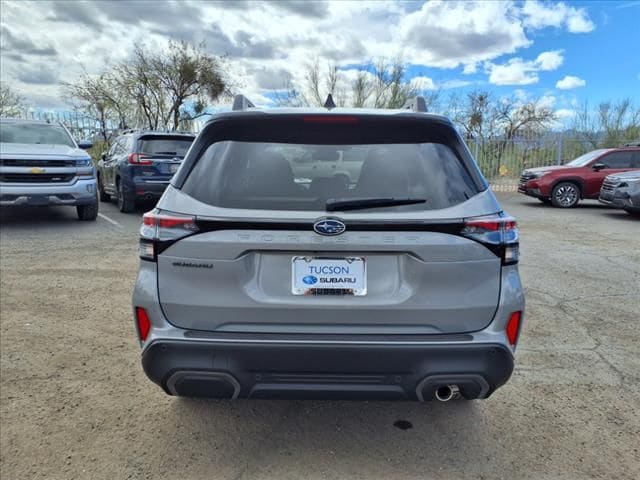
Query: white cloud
<point>547,101</point>
<point>269,43</point>
<point>540,15</point>
<point>569,82</point>
<point>423,83</point>
<point>455,83</point>
<point>470,68</point>
<point>548,61</point>
<point>523,72</point>
<point>564,113</point>
<point>447,34</point>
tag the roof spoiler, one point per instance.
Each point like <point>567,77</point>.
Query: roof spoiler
<point>240,102</point>
<point>416,104</point>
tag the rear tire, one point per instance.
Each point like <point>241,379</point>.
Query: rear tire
<point>565,195</point>
<point>87,212</point>
<point>104,196</point>
<point>126,203</point>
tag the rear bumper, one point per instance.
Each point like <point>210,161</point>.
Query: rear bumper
<point>81,192</point>
<point>328,370</point>
<point>149,187</point>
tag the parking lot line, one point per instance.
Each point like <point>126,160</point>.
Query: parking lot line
<point>110,220</point>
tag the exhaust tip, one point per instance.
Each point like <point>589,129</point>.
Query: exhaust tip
<point>445,393</point>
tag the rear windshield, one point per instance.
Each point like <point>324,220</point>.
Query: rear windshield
<point>286,176</point>
<point>165,145</point>
<point>33,133</point>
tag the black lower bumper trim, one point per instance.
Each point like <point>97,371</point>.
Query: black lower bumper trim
<point>325,371</point>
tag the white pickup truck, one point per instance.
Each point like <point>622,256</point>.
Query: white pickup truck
<point>41,165</point>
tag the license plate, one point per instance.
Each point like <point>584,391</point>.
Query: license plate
<point>38,201</point>
<point>173,168</point>
<point>328,276</point>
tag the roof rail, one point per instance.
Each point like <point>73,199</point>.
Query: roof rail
<point>329,103</point>
<point>240,102</point>
<point>417,104</point>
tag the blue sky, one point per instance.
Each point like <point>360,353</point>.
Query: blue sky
<point>607,58</point>
<point>529,49</point>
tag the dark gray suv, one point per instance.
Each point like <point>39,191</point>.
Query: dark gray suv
<point>263,274</point>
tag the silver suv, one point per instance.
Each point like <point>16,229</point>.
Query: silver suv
<point>261,279</point>
<point>41,164</point>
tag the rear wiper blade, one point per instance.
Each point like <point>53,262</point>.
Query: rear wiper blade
<point>164,153</point>
<point>362,203</point>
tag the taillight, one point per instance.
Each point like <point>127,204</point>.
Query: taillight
<point>143,322</point>
<point>513,328</point>
<point>139,159</point>
<point>160,229</point>
<point>498,233</point>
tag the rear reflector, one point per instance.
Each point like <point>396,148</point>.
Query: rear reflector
<point>513,328</point>
<point>144,324</point>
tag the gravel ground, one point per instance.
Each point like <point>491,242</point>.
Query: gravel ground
<point>75,404</point>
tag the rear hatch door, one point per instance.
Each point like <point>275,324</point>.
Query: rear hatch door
<point>263,263</point>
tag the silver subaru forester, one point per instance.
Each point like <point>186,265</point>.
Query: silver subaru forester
<point>328,253</point>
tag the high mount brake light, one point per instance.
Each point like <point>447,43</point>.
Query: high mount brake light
<point>139,159</point>
<point>499,234</point>
<point>330,119</point>
<point>159,230</point>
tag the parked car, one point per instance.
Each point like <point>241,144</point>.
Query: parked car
<point>403,284</point>
<point>139,166</point>
<point>41,165</point>
<point>564,185</point>
<point>622,190</point>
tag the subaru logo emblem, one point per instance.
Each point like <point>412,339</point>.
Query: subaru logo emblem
<point>310,280</point>
<point>329,226</point>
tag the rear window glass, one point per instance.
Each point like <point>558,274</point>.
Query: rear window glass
<point>285,176</point>
<point>165,146</point>
<point>34,133</point>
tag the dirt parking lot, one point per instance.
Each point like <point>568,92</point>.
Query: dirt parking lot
<point>75,403</point>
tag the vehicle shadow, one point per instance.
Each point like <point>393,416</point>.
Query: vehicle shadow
<point>407,439</point>
<point>41,216</point>
<point>622,215</point>
<point>583,205</point>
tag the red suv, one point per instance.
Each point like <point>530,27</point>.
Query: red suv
<point>564,185</point>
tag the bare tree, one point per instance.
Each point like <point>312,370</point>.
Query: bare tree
<point>497,125</point>
<point>362,89</point>
<point>100,98</point>
<point>380,85</point>
<point>475,114</point>
<point>186,73</point>
<point>152,89</point>
<point>611,124</point>
<point>312,78</point>
<point>137,78</point>
<point>11,102</point>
